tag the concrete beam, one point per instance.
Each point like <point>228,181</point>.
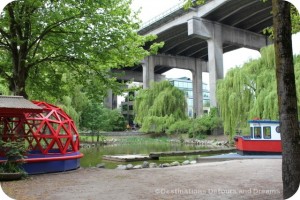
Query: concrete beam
<point>210,7</point>
<point>180,62</point>
<point>230,35</point>
<point>135,76</point>
<point>197,12</point>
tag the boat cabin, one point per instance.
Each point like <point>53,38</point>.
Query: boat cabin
<point>264,138</point>
<point>264,130</point>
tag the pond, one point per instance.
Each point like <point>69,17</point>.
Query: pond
<point>93,156</point>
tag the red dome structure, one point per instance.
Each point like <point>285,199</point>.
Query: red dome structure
<point>51,131</point>
<point>49,134</point>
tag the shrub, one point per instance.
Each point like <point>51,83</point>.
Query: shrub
<point>180,127</point>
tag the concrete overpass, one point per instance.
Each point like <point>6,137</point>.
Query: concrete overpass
<point>195,39</point>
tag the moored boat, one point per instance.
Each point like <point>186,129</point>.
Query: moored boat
<point>264,138</point>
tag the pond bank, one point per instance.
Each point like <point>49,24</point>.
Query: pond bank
<point>93,153</point>
<point>115,138</point>
<point>237,179</point>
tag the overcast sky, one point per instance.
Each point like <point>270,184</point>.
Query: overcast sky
<point>152,8</point>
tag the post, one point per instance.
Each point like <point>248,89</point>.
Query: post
<point>197,89</point>
<point>215,62</point>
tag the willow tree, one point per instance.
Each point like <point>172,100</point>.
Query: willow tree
<point>249,92</point>
<point>43,40</point>
<point>159,106</point>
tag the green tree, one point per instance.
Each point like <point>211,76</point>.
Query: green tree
<point>287,98</point>
<point>97,118</point>
<point>159,106</point>
<point>248,92</point>
<point>43,40</point>
<point>205,124</point>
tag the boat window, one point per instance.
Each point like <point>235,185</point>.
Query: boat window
<point>278,129</point>
<point>267,132</point>
<point>251,132</point>
<point>257,132</point>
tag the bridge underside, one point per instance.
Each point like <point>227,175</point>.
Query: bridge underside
<point>250,15</point>
<point>206,32</point>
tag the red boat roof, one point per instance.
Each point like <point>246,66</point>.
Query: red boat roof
<point>17,105</point>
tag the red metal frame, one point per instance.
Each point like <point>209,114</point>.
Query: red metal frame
<point>49,132</point>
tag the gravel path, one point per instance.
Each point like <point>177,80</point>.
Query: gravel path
<point>236,179</point>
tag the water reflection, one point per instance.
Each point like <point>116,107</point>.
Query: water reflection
<point>93,156</point>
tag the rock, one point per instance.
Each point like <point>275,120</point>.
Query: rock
<point>193,162</point>
<point>145,164</point>
<point>186,162</point>
<point>138,167</point>
<point>152,165</point>
<point>122,167</point>
<point>129,166</point>
<point>176,163</point>
<point>165,165</point>
<point>100,165</point>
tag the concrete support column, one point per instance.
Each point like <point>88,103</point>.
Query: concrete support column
<point>197,89</point>
<point>111,100</point>
<point>215,62</point>
<point>148,71</point>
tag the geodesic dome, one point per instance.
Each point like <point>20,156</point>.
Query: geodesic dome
<point>51,131</point>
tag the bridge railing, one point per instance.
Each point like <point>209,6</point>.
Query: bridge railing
<point>164,14</point>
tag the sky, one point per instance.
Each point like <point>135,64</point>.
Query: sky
<point>150,9</point>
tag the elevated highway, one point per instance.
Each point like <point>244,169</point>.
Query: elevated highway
<point>195,39</point>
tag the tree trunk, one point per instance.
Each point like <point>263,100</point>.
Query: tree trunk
<point>19,49</point>
<point>287,99</point>
<point>19,81</point>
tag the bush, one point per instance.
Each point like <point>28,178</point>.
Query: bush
<point>180,127</point>
<point>97,118</point>
<point>154,124</point>
<point>205,124</point>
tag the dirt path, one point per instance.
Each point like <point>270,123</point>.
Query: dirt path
<point>237,179</point>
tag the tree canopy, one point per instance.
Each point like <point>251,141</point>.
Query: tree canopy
<point>47,47</point>
<point>97,118</point>
<point>159,106</point>
<point>250,91</point>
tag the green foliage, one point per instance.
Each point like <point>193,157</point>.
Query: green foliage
<point>155,124</point>
<point>158,106</point>
<point>205,125</point>
<point>250,91</point>
<point>180,127</point>
<point>295,19</point>
<point>191,3</point>
<point>14,152</point>
<point>57,45</point>
<point>3,87</point>
<point>97,118</point>
<point>117,120</point>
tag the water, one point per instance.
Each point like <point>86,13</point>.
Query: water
<point>93,156</point>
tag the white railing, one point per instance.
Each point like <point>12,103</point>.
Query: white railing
<point>162,15</point>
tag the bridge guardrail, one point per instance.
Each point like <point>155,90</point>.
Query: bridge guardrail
<point>166,13</point>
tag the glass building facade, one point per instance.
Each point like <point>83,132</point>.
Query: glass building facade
<point>186,84</point>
